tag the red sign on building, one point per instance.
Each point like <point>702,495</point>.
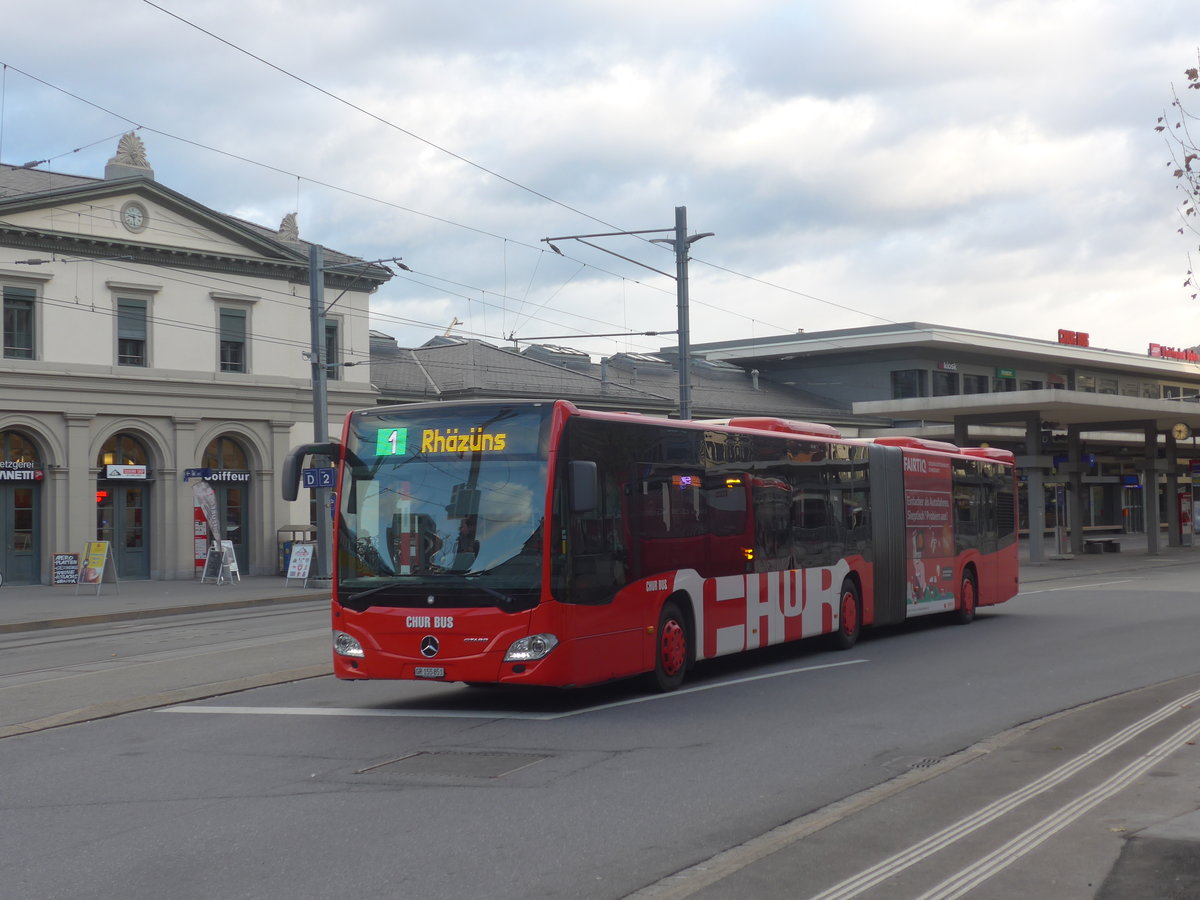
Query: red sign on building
<point>1161,352</point>
<point>1074,338</point>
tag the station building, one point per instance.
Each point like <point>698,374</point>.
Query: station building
<point>1104,438</point>
<point>151,344</point>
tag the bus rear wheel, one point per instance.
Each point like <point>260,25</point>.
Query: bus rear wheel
<point>849,616</point>
<point>968,598</point>
<point>671,649</point>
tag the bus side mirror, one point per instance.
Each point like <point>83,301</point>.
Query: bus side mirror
<point>581,473</point>
<point>293,465</point>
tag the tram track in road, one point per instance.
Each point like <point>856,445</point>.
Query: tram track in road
<point>92,672</point>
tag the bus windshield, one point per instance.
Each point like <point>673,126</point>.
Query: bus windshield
<point>443,508</point>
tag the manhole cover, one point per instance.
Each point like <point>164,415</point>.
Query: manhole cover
<point>456,764</point>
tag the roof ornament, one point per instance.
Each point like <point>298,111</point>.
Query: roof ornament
<point>289,231</point>
<point>130,159</point>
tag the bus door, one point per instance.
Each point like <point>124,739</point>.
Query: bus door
<point>975,528</point>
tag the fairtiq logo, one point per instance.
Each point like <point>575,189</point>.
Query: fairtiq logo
<point>453,441</point>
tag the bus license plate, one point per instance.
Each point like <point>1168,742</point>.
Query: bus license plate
<point>429,672</point>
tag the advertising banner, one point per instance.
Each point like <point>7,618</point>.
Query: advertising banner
<point>929,529</point>
<point>206,499</point>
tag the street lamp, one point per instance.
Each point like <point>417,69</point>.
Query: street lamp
<point>681,243</point>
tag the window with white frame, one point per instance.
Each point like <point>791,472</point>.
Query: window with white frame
<point>132,332</point>
<point>332,358</point>
<point>233,339</point>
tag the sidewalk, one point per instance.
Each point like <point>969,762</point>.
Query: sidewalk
<point>33,607</point>
<point>1132,556</point>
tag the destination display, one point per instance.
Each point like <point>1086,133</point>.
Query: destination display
<point>394,441</point>
<point>461,436</point>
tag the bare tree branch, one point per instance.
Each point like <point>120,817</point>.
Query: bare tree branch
<point>1175,127</point>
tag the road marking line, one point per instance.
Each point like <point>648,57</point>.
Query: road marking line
<point>869,878</point>
<point>1076,587</point>
<point>488,714</point>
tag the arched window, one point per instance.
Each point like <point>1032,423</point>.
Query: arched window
<point>224,453</point>
<point>123,450</point>
<point>15,447</point>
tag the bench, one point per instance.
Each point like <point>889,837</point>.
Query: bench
<point>1101,545</point>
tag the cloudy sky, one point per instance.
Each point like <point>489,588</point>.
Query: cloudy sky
<point>987,164</point>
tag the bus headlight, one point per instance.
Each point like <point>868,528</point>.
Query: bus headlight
<point>345,645</point>
<point>530,648</point>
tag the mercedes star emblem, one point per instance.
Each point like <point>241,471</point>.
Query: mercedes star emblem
<point>429,645</point>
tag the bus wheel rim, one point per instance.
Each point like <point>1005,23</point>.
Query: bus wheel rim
<point>673,647</point>
<point>968,595</point>
<point>849,613</point>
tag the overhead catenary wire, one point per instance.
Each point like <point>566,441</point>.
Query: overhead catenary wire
<point>350,192</point>
<point>368,197</point>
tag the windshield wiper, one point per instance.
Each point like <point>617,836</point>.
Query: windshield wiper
<point>369,591</point>
<point>466,579</point>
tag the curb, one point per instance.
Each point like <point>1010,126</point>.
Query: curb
<point>132,614</point>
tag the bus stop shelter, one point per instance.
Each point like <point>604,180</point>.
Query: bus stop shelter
<point>1150,424</point>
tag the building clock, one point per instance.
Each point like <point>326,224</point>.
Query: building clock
<point>1181,432</point>
<point>134,217</point>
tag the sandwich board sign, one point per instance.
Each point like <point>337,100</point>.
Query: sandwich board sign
<point>300,562</point>
<point>221,565</point>
<point>96,562</point>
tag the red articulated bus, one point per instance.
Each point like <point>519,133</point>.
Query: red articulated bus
<point>533,542</point>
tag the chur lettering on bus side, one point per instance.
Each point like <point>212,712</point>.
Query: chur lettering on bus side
<point>742,612</point>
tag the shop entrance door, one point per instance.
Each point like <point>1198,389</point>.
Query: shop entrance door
<point>19,534</point>
<point>122,519</point>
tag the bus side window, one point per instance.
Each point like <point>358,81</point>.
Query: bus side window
<point>810,528</point>
<point>724,507</point>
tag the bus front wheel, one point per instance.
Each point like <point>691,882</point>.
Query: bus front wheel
<point>671,649</point>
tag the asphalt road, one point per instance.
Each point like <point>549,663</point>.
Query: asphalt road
<point>314,788</point>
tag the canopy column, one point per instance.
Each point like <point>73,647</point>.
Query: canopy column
<point>1174,533</point>
<point>1074,469</point>
<point>1150,489</point>
<point>1030,465</point>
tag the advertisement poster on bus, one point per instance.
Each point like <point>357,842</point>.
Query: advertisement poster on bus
<point>929,531</point>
